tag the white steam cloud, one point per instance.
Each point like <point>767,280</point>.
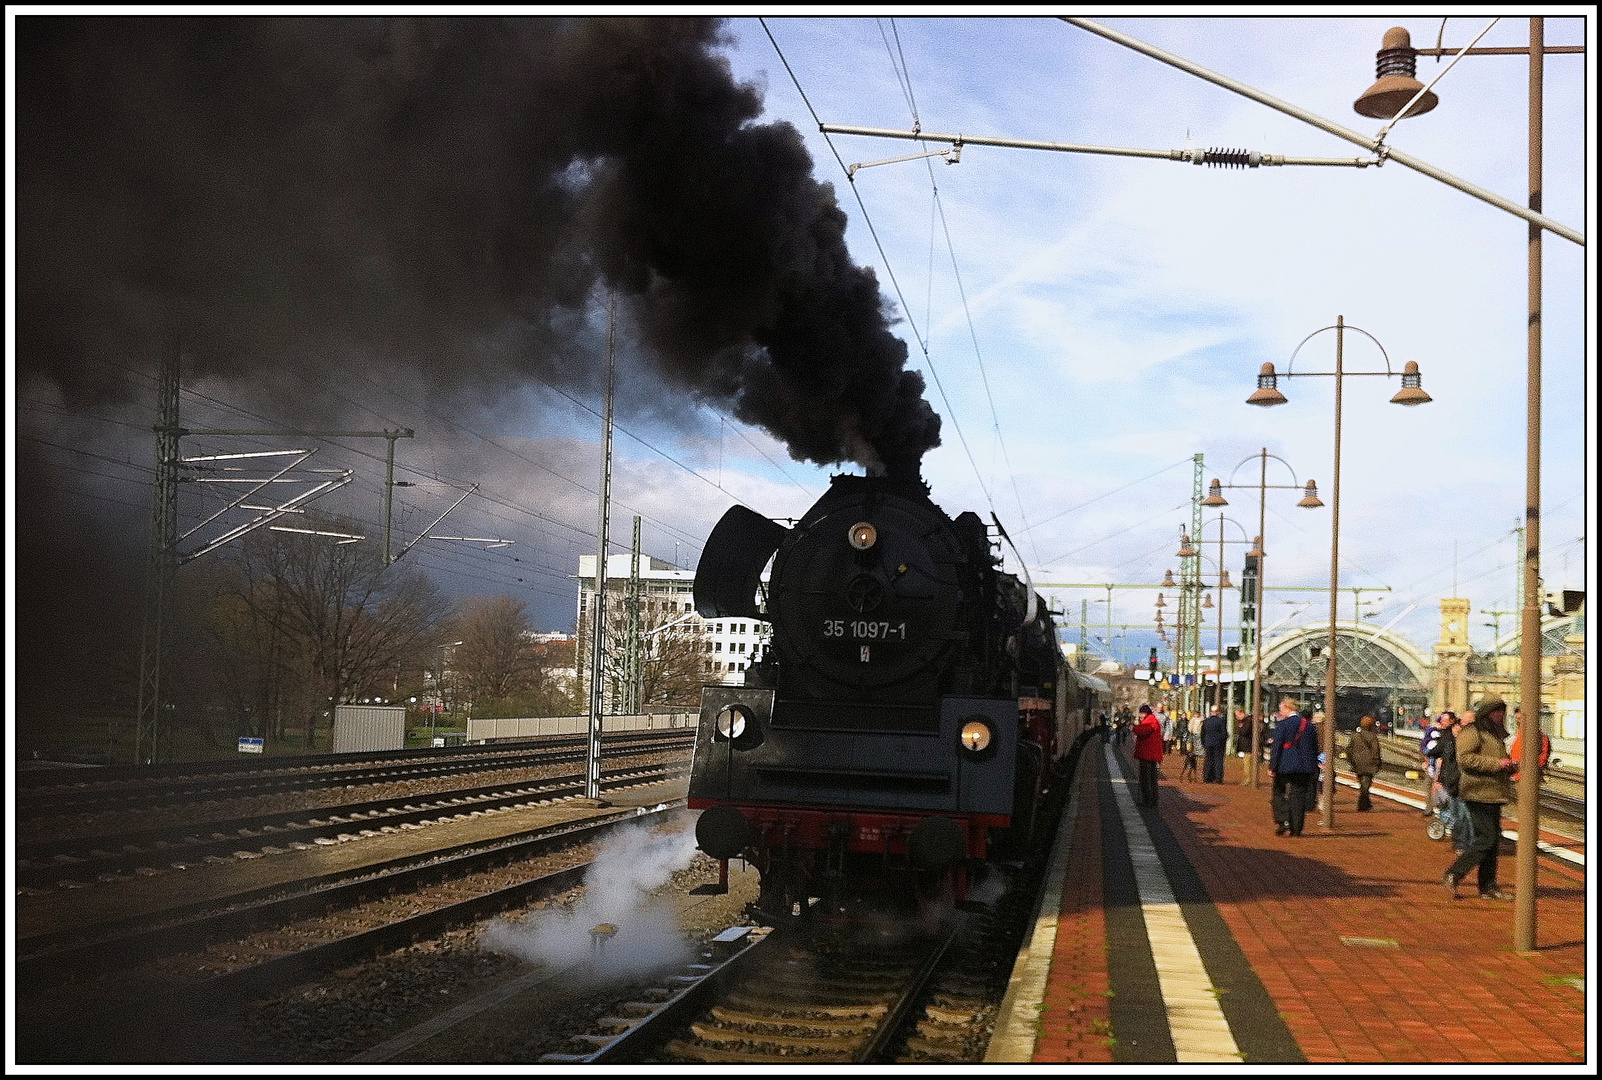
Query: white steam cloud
<point>618,890</point>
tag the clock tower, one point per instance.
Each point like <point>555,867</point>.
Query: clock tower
<point>1451,657</point>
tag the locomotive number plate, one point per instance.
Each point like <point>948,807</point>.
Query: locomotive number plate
<point>864,630</point>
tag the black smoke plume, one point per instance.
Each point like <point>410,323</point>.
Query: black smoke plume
<point>443,201</point>
<point>443,195</point>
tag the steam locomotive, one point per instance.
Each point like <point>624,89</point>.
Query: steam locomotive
<point>909,716</point>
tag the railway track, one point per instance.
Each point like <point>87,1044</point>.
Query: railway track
<point>80,775</point>
<point>72,862</point>
<point>838,996</point>
<point>789,1001</point>
<point>83,796</point>
<point>308,924</point>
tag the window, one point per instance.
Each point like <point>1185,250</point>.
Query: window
<point>717,646</point>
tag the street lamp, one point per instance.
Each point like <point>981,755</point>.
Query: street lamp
<point>1308,501</point>
<point>1268,394</point>
<point>1529,807</point>
<point>441,681</point>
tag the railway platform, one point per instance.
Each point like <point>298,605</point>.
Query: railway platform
<point>1191,933</point>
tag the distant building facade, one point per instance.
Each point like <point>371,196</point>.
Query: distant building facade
<point>727,647</point>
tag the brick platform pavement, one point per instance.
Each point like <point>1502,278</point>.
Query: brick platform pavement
<point>1075,1015</point>
<point>1363,954</point>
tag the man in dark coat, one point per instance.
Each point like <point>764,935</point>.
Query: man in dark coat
<point>1486,785</point>
<point>1293,761</point>
<point>1364,753</point>
<point>1214,738</point>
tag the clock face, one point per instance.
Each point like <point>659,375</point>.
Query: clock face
<point>1452,626</point>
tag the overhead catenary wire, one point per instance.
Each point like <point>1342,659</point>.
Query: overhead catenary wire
<point>898,64</point>
<point>867,220</point>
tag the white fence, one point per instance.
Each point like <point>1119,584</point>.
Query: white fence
<point>530,727</point>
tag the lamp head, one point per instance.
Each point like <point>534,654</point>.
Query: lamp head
<point>1215,495</point>
<point>1161,602</point>
<point>1207,600</point>
<point>1224,582</point>
<point>1310,499</point>
<point>1267,388</point>
<point>1411,392</point>
<point>1394,67</point>
<point>1168,580</point>
<point>1257,548</point>
<point>1185,550</point>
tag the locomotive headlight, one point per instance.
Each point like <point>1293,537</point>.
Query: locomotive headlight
<point>976,736</point>
<point>737,725</point>
<point>863,536</point>
<point>731,722</point>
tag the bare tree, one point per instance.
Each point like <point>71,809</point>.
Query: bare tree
<point>672,653</point>
<point>307,624</point>
<point>496,658</point>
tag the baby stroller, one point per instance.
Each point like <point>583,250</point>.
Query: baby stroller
<point>1451,817</point>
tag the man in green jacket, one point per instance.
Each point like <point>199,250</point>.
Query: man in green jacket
<point>1486,786</point>
<point>1363,751</point>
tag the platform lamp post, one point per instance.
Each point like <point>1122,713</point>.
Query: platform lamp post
<point>1268,394</point>
<point>1389,99</point>
<point>1308,501</point>
<point>1207,601</point>
<point>1223,583</point>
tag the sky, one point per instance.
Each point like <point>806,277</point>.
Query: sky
<point>1084,326</point>
<point>1119,308</point>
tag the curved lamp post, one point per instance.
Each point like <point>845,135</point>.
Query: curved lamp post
<point>1396,56</point>
<point>1267,394</point>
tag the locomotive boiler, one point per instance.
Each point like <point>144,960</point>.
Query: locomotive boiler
<point>906,721</point>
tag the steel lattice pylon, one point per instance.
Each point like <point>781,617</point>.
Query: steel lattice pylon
<point>162,562</point>
<point>1190,598</point>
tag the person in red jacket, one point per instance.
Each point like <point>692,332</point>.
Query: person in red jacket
<point>1148,752</point>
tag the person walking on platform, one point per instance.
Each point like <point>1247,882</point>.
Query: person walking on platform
<point>1165,724</point>
<point>1363,751</point>
<point>1148,752</point>
<point>1486,785</point>
<point>1293,762</point>
<point>1243,733</point>
<point>1214,740</point>
<point>1432,746</point>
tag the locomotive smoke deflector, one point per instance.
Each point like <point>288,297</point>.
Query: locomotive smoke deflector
<point>730,570</point>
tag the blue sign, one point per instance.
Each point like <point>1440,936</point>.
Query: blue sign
<point>251,746</point>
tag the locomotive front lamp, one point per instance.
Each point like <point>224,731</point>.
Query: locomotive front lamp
<point>976,736</point>
<point>863,536</point>
<point>731,722</point>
